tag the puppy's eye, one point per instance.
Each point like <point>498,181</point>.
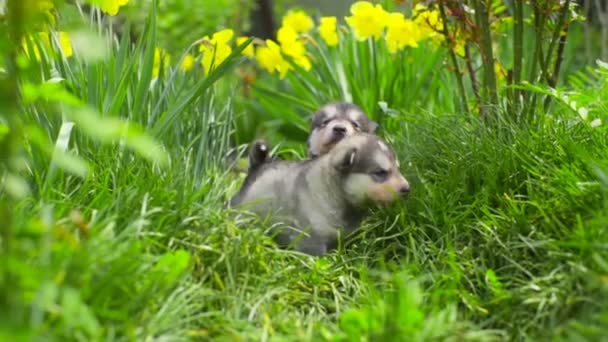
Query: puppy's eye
<point>357,126</point>
<point>380,175</point>
<point>324,122</point>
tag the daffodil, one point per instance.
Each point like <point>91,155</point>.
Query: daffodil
<point>429,21</point>
<point>298,21</point>
<point>187,63</point>
<point>458,42</point>
<point>248,51</point>
<point>111,7</point>
<point>45,39</point>
<point>216,49</point>
<point>303,61</point>
<point>419,8</point>
<point>293,46</point>
<point>212,57</point>
<point>290,42</point>
<point>328,31</point>
<point>401,32</point>
<point>222,37</point>
<point>367,20</point>
<point>65,43</point>
<point>160,57</point>
<point>270,58</point>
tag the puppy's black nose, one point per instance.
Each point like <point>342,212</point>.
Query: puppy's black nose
<point>404,189</point>
<point>341,130</point>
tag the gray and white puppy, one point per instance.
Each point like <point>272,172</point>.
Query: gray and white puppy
<point>330,124</point>
<point>321,196</point>
<point>334,121</point>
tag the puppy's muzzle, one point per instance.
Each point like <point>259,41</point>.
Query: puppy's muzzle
<point>404,189</point>
<point>339,131</point>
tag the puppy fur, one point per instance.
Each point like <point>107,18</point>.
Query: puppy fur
<point>333,122</point>
<point>330,124</point>
<point>319,197</point>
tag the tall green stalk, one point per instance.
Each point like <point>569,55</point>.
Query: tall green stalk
<point>446,34</point>
<point>487,53</point>
<point>560,40</point>
<point>518,42</point>
<point>9,143</point>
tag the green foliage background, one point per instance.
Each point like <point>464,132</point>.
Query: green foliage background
<point>181,22</point>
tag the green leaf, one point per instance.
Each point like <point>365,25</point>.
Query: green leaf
<point>171,266</point>
<point>4,130</point>
<point>76,314</point>
<point>61,158</point>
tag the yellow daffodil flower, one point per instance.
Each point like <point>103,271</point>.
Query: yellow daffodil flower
<point>223,37</point>
<point>64,43</point>
<point>328,31</point>
<point>111,7</point>
<point>367,20</point>
<point>401,32</point>
<point>293,46</point>
<point>216,49</point>
<point>419,8</point>
<point>429,21</point>
<point>214,57</point>
<point>290,42</point>
<point>160,55</point>
<point>303,62</point>
<point>187,63</point>
<point>270,58</point>
<point>298,21</point>
<point>248,51</point>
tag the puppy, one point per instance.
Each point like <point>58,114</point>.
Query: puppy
<point>330,124</point>
<point>333,122</point>
<point>319,197</point>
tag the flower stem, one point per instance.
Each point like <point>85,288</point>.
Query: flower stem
<point>518,40</point>
<point>487,53</point>
<point>446,34</point>
<point>560,40</point>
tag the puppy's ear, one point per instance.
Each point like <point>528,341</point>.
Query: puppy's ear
<point>258,154</point>
<point>314,118</point>
<point>372,127</point>
<point>343,160</point>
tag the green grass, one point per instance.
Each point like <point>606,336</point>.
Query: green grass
<point>502,237</point>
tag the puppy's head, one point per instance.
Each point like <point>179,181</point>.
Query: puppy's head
<point>368,169</point>
<point>333,122</point>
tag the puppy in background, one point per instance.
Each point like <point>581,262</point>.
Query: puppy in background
<point>322,196</point>
<point>330,124</point>
<point>333,122</point>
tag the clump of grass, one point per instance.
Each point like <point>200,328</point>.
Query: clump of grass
<point>500,216</point>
